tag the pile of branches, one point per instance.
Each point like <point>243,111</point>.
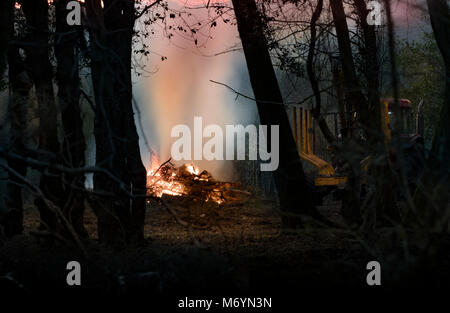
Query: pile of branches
<point>200,187</point>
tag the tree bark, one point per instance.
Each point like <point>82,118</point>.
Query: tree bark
<point>432,196</point>
<point>440,21</point>
<point>379,174</point>
<point>352,88</point>
<point>20,86</point>
<point>124,14</point>
<point>370,114</point>
<point>353,96</point>
<point>73,148</point>
<point>312,75</point>
<point>295,200</point>
<point>117,146</point>
<point>12,219</point>
<point>6,22</point>
<point>37,53</point>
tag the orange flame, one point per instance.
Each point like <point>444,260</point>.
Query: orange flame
<point>159,185</point>
<point>163,180</point>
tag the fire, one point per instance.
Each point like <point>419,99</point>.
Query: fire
<point>159,182</point>
<point>192,169</point>
<point>189,182</point>
<point>165,179</point>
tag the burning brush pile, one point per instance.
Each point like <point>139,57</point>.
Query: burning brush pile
<point>168,181</point>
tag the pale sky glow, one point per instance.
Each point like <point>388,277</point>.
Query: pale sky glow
<point>180,89</point>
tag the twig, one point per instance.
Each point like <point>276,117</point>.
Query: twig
<point>146,8</point>
<point>162,165</point>
<point>264,101</point>
<point>38,192</point>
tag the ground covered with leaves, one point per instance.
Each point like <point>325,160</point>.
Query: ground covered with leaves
<point>205,249</point>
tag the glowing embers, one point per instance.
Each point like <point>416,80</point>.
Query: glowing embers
<point>189,182</point>
<point>162,179</point>
<point>186,180</point>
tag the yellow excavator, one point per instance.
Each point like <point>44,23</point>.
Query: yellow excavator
<point>411,134</point>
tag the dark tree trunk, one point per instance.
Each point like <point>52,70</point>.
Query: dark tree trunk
<point>440,21</point>
<point>339,89</point>
<point>109,227</point>
<point>312,75</point>
<point>353,96</point>
<point>352,88</point>
<point>6,21</point>
<point>382,179</point>
<point>122,17</point>
<point>67,76</point>
<point>117,146</point>
<point>20,86</point>
<point>432,197</point>
<point>138,175</point>
<point>12,220</point>
<point>370,114</point>
<point>295,199</point>
<point>37,53</point>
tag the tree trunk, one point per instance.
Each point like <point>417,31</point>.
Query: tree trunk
<point>440,21</point>
<point>432,196</point>
<point>352,88</point>
<point>20,86</point>
<point>353,95</point>
<point>12,219</point>
<point>295,200</point>
<point>124,15</point>
<point>6,22</point>
<point>67,76</point>
<point>312,75</point>
<point>379,175</point>
<point>37,53</point>
<point>117,146</point>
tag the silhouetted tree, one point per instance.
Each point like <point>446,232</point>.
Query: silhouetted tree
<point>383,209</point>
<point>295,197</point>
<point>68,80</point>
<point>117,147</point>
<point>6,18</point>
<point>432,196</point>
<point>37,51</point>
<point>20,86</point>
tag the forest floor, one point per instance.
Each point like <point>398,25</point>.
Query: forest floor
<point>208,249</point>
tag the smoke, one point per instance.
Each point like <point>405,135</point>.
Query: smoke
<point>180,89</point>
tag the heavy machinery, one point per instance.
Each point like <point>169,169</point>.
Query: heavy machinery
<point>410,135</point>
<point>304,137</point>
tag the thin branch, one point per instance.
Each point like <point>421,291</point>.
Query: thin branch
<point>263,101</point>
<point>146,8</point>
<point>38,192</point>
